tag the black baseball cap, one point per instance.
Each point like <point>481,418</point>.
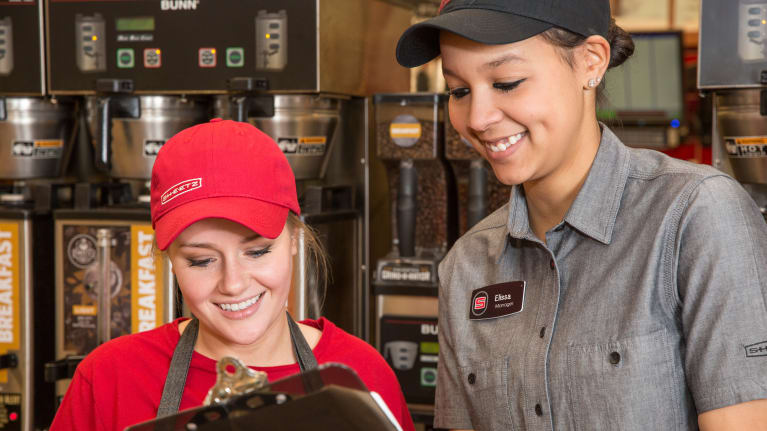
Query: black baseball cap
<point>496,22</point>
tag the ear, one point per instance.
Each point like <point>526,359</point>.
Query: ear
<point>595,57</point>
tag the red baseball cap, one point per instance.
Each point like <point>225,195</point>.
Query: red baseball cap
<point>221,169</point>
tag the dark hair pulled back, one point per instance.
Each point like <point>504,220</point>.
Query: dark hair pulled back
<point>621,47</point>
<point>621,44</point>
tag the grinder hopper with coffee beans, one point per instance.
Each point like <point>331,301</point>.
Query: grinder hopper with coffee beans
<point>479,191</point>
<point>410,142</point>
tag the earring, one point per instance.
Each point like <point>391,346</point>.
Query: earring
<point>593,82</point>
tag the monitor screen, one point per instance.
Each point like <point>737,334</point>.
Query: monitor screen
<point>647,88</point>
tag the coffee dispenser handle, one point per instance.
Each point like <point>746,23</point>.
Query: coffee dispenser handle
<point>112,107</point>
<point>477,206</point>
<point>261,105</point>
<point>407,207</point>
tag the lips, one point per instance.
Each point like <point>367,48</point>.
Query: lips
<point>500,145</point>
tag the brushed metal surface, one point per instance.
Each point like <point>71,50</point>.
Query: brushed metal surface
<point>34,119</point>
<point>737,115</point>
<point>161,118</point>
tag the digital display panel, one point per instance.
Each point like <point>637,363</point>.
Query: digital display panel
<point>135,23</point>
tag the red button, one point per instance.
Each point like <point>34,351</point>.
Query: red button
<point>13,416</point>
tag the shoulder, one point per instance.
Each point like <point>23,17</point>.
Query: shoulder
<point>134,350</point>
<point>648,165</point>
<point>337,345</point>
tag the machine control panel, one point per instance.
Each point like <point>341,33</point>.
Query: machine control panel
<point>6,46</point>
<point>90,43</point>
<point>752,32</point>
<point>21,52</point>
<point>180,46</point>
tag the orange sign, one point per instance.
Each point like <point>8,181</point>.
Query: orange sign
<point>146,281</point>
<point>10,332</point>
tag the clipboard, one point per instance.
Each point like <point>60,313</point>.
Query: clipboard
<point>331,398</point>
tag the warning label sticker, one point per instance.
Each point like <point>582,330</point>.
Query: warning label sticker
<point>746,147</point>
<point>40,149</point>
<point>304,145</point>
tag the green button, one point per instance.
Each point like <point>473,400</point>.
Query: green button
<point>429,377</point>
<point>125,58</point>
<point>235,57</point>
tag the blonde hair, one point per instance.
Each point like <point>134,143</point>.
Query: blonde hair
<point>318,262</point>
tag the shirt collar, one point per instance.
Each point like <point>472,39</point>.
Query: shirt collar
<point>595,208</point>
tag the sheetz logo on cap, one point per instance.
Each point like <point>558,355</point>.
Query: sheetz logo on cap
<point>179,189</point>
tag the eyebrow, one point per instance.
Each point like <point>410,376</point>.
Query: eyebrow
<point>208,245</point>
<point>500,61</point>
<point>503,60</point>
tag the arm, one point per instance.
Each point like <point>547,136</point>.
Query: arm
<point>750,415</point>
<point>722,287</point>
<point>77,410</point>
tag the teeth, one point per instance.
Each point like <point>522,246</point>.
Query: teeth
<point>241,305</point>
<point>504,144</point>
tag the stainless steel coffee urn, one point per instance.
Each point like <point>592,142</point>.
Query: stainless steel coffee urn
<point>732,69</point>
<point>35,143</point>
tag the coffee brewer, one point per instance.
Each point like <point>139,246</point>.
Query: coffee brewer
<point>35,143</point>
<point>732,68</point>
<point>297,69</point>
<point>409,138</point>
<point>479,191</point>
<point>109,281</point>
<point>302,85</point>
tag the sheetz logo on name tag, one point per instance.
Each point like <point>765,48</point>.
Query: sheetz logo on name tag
<point>497,300</point>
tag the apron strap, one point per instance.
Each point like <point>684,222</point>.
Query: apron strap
<point>182,357</point>
<point>179,367</point>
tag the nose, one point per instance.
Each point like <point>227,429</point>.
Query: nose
<point>233,278</point>
<point>483,112</point>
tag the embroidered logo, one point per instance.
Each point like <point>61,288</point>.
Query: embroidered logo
<point>479,303</point>
<point>758,349</point>
<point>179,189</point>
<point>443,4</point>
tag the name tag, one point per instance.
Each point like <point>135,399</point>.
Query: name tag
<point>497,300</point>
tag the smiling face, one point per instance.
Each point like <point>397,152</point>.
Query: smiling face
<point>234,281</point>
<point>521,105</point>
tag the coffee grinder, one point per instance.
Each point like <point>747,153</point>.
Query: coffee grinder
<point>479,191</point>
<point>410,141</point>
<point>732,69</point>
<point>35,142</point>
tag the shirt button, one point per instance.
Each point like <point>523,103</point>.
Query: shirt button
<point>538,410</point>
<point>615,358</point>
<point>552,264</point>
<point>472,378</point>
<point>543,332</point>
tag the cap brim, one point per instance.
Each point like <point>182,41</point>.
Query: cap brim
<point>420,43</point>
<point>264,218</point>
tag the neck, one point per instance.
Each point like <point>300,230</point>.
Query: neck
<point>549,198</point>
<point>273,348</point>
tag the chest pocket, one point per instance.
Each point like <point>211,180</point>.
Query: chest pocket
<point>486,384</point>
<point>629,384</point>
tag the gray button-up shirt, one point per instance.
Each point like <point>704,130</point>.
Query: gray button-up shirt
<point>645,307</point>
